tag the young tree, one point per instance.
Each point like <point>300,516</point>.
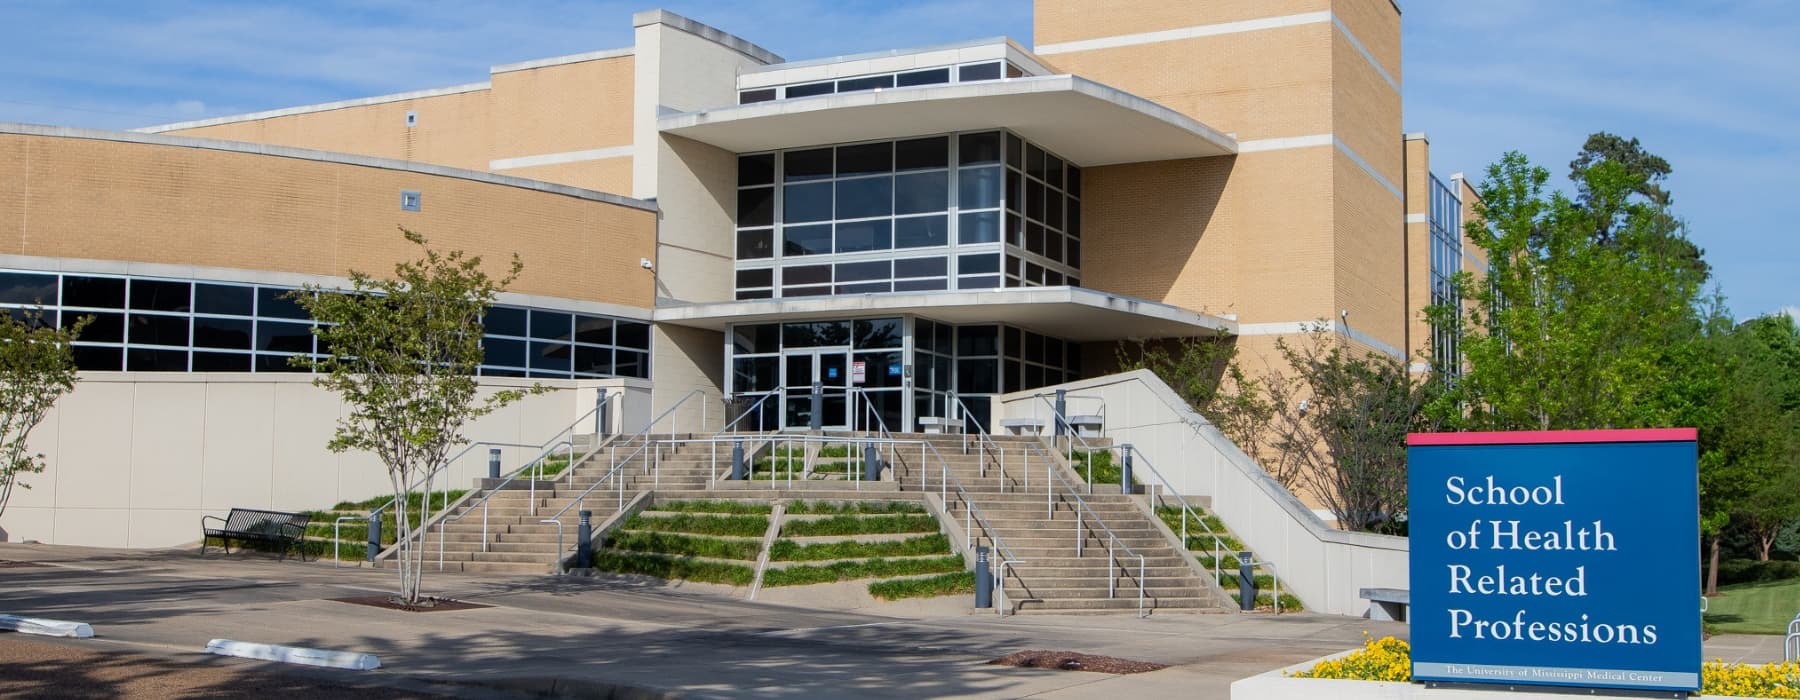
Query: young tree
<point>1343,417</point>
<point>36,368</point>
<point>403,354</point>
<point>1759,440</point>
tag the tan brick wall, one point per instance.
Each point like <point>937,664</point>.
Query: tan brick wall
<point>1365,110</point>
<point>1262,84</point>
<point>1370,253</point>
<point>1249,235</point>
<point>1418,246</point>
<point>1057,21</point>
<point>604,175</point>
<point>539,111</point>
<point>82,198</point>
<point>453,130</point>
<point>1377,25</point>
<point>570,107</point>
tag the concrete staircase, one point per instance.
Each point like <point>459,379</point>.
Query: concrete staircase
<point>1036,518</point>
<point>1037,522</point>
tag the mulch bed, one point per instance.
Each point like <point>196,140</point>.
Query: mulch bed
<point>7,564</point>
<point>427,605</point>
<point>1075,661</point>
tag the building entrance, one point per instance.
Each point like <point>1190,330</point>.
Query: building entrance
<point>803,371</point>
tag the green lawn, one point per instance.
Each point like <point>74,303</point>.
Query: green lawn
<point>1754,608</point>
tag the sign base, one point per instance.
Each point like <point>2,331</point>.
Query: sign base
<point>1560,689</point>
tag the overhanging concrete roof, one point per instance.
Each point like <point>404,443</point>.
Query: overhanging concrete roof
<point>1079,119</point>
<point>1071,313</point>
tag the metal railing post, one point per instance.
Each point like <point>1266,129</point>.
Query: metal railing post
<point>600,413</point>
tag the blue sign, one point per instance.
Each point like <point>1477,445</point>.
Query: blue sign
<point>1556,558</point>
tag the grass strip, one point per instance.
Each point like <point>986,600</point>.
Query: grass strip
<point>672,567</point>
<point>853,507</point>
<point>1763,607</point>
<point>860,525</point>
<point>702,524</point>
<point>789,550</point>
<point>368,504</point>
<point>685,545</point>
<point>958,583</point>
<point>725,507</point>
<point>852,570</point>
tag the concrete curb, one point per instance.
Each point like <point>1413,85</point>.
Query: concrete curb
<point>46,627</point>
<point>294,655</point>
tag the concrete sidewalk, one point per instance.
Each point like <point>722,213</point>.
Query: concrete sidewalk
<point>596,635</point>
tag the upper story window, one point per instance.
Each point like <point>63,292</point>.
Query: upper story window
<point>942,75</point>
<point>1446,262</point>
<point>964,211</point>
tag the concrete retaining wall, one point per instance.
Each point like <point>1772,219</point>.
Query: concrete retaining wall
<point>1320,564</point>
<point>134,459</point>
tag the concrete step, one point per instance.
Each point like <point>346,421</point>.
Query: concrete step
<point>1127,604</point>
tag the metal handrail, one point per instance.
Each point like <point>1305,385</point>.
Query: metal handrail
<point>971,515</point>
<point>1274,582</point>
<point>425,519</point>
<point>620,464</point>
<point>1074,437</point>
<point>337,537</point>
<point>1186,510</point>
<point>1071,398</point>
<point>988,446</point>
<point>752,409</point>
<point>790,439</point>
<point>1790,647</point>
<point>488,494</point>
<point>1050,480</point>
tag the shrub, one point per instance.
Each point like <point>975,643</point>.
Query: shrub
<point>959,583</point>
<point>852,507</point>
<point>685,545</point>
<point>702,524</point>
<point>672,567</point>
<point>851,570</point>
<point>788,550</point>
<point>726,507</point>
<point>854,525</point>
<point>1752,571</point>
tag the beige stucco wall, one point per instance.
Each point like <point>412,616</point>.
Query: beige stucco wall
<point>134,460</point>
<point>67,197</point>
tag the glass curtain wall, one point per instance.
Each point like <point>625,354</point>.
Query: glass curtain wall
<point>144,324</point>
<point>860,371</point>
<point>910,215</point>
<point>1446,262</point>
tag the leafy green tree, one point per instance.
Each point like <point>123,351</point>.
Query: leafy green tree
<point>1759,439</point>
<point>403,356</point>
<point>1342,415</point>
<point>1590,314</point>
<point>36,368</point>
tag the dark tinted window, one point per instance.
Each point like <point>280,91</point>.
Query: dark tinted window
<point>861,236</point>
<point>807,165</point>
<point>808,202</point>
<point>865,197</point>
<point>979,149</point>
<point>878,333</point>
<point>756,170</point>
<point>100,292</point>
<point>221,362</point>
<point>756,207</point>
<point>95,359</point>
<point>549,324</point>
<point>146,360</point>
<point>504,320</point>
<point>593,360</point>
<point>764,277</point>
<point>553,357</point>
<point>979,227</point>
<point>634,335</point>
<point>919,267</point>
<point>23,288</point>
<point>934,76</point>
<point>806,274</point>
<point>806,240</point>
<point>810,89</point>
<point>857,272</point>
<point>977,340</point>
<point>105,327</point>
<point>500,351</point>
<point>984,71</point>
<point>233,333</point>
<point>277,363</point>
<point>922,154</point>
<point>922,231</point>
<point>224,299</point>
<point>865,159</point>
<point>756,244</point>
<point>977,264</point>
<point>919,285</point>
<point>592,329</point>
<point>754,96</point>
<point>284,337</point>
<point>158,295</point>
<point>758,338</point>
<point>869,83</point>
<point>920,193</point>
<point>273,301</point>
<point>158,330</point>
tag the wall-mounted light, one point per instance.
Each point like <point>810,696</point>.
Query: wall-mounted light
<point>646,264</point>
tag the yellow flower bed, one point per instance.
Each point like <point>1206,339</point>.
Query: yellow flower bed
<point>1389,659</point>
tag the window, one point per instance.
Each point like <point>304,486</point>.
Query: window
<point>145,324</point>
<point>973,72</point>
<point>1446,262</point>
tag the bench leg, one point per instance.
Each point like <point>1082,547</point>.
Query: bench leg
<point>1386,612</point>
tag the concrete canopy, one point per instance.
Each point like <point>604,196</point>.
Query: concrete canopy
<point>1086,122</point>
<point>1070,313</point>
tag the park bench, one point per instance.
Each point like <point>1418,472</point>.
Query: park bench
<point>1387,603</point>
<point>284,530</point>
<point>1022,426</point>
<point>1087,426</point>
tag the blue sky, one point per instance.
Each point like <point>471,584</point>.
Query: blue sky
<point>1711,85</point>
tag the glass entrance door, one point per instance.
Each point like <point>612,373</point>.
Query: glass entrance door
<point>801,370</point>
